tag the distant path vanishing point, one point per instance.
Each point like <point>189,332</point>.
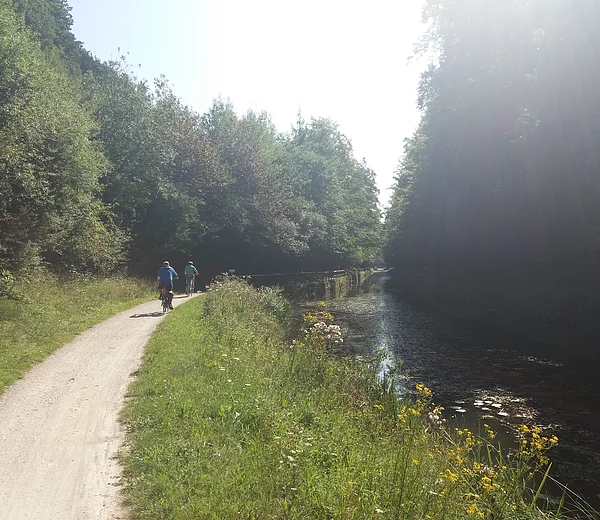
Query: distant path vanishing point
<point>59,429</point>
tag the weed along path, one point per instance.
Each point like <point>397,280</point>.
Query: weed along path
<point>59,429</point>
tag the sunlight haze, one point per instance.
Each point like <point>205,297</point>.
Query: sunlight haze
<point>343,60</point>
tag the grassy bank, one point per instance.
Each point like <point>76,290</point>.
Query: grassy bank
<point>228,420</point>
<point>41,314</point>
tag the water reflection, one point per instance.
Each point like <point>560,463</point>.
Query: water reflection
<point>484,374</point>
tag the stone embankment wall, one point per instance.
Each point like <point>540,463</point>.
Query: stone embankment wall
<point>314,285</point>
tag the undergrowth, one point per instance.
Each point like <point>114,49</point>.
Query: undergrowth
<point>227,420</point>
<point>42,312</point>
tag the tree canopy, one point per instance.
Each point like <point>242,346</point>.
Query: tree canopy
<point>102,170</point>
<point>497,195</point>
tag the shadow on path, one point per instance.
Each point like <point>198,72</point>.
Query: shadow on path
<point>158,314</point>
<point>147,315</point>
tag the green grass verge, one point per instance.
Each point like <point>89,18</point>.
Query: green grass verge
<point>45,313</point>
<point>227,420</point>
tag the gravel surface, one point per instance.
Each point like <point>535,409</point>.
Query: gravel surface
<point>59,429</point>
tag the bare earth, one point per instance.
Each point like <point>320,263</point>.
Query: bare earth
<point>59,429</point>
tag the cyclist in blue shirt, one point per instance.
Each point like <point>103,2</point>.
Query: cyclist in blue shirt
<point>165,276</point>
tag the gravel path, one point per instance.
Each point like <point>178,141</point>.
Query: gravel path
<point>59,429</point>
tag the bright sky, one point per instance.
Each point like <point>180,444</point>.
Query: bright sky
<point>342,59</point>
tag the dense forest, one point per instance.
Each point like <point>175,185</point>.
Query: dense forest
<point>100,171</point>
<point>497,202</point>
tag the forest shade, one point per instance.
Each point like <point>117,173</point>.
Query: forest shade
<point>497,197</point>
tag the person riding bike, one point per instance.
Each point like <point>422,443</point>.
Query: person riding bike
<point>190,272</point>
<point>165,276</point>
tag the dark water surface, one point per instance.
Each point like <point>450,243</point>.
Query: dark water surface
<point>478,373</point>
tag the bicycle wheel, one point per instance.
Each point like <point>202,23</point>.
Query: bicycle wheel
<point>165,303</point>
<point>192,284</point>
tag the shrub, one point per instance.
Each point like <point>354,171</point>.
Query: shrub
<point>7,284</point>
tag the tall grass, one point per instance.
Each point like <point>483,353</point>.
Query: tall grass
<point>227,421</point>
<point>42,313</point>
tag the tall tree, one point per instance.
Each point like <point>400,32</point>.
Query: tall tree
<point>51,22</point>
<point>497,196</point>
<point>101,163</point>
<point>49,167</point>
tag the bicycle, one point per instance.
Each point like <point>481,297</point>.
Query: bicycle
<point>189,286</point>
<point>164,299</point>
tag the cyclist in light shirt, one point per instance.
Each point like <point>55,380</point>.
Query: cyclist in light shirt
<point>190,272</point>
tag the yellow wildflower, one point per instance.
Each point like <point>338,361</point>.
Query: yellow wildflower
<point>449,476</point>
<point>490,433</point>
<point>474,510</point>
<point>423,390</point>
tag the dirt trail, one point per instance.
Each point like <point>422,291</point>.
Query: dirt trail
<point>59,431</point>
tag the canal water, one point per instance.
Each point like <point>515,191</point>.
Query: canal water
<point>480,374</point>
